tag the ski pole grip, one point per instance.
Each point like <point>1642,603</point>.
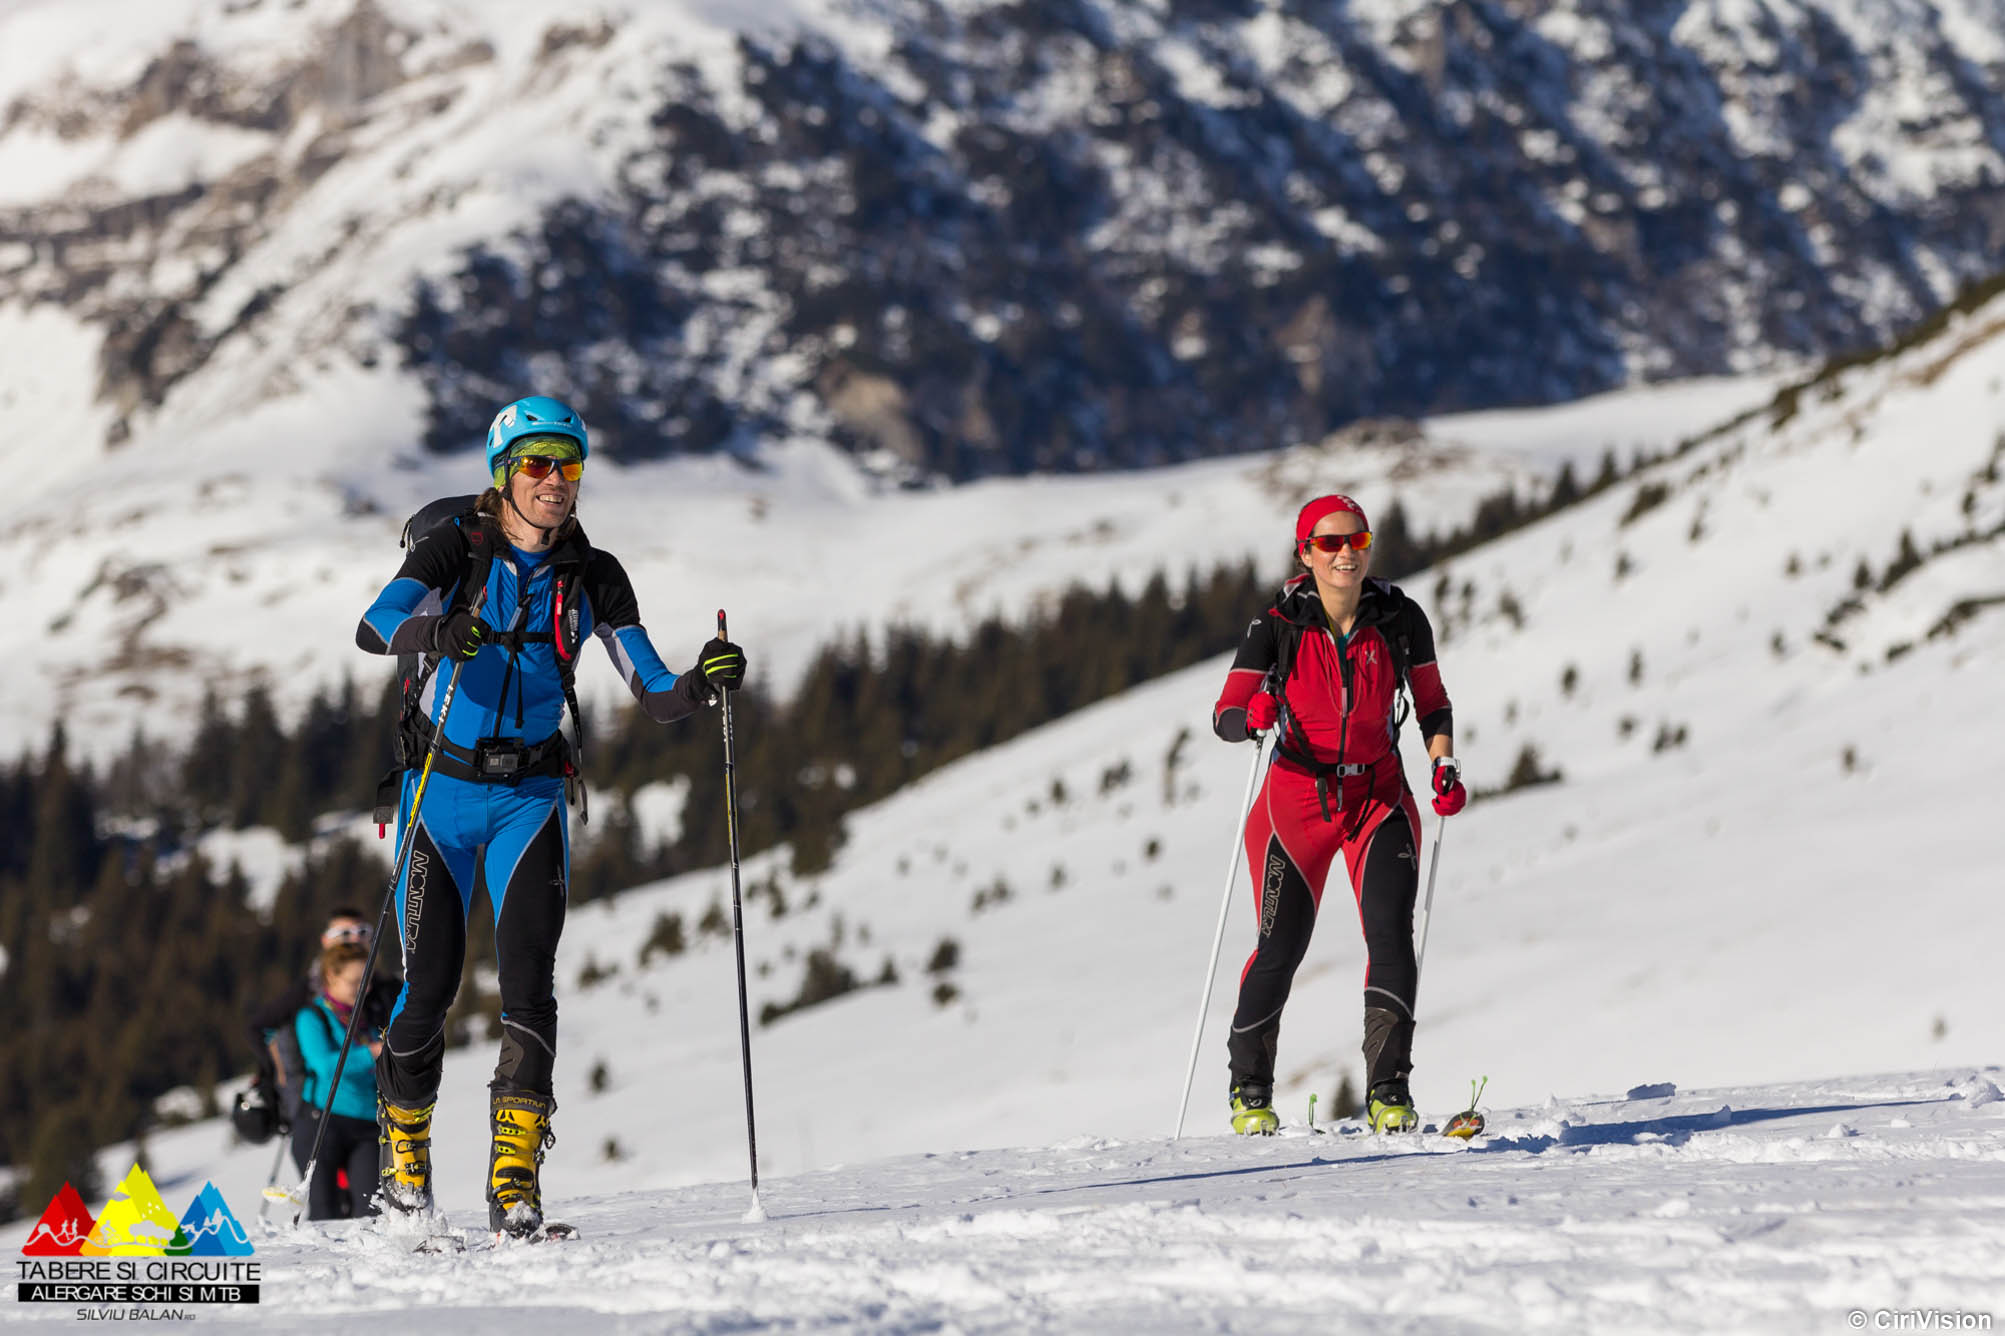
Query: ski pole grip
<point>720,625</point>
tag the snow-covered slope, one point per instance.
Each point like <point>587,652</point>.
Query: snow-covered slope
<point>147,576</point>
<point>254,258</point>
<point>1767,859</point>
<point>1772,859</point>
<point>1797,880</point>
<point>1774,1208</point>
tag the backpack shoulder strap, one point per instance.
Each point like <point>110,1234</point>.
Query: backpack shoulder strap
<point>1287,645</point>
<point>574,585</point>
<point>477,536</point>
<point>1400,634</point>
<point>1396,628</point>
<point>483,539</point>
<point>327,1023</point>
<point>307,1075</point>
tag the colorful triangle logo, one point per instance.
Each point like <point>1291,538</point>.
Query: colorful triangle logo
<point>136,1223</point>
<point>62,1229</point>
<point>212,1228</point>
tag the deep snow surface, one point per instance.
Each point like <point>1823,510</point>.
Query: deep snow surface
<point>1758,1208</point>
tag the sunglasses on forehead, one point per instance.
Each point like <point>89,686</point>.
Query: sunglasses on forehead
<point>1337,542</point>
<point>539,466</point>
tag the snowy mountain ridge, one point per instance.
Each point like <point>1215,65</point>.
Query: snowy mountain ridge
<point>961,239</point>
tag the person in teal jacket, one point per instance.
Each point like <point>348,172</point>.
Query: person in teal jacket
<point>346,1183</point>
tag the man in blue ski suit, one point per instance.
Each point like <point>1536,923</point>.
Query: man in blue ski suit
<point>495,802</point>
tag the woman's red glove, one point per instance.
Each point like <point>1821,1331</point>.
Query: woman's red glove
<point>1261,711</point>
<point>1449,795</point>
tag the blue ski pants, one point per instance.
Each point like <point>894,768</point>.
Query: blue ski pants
<point>514,840</point>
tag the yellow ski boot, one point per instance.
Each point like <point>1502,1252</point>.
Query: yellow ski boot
<point>405,1138</point>
<point>1253,1110</point>
<point>1390,1107</point>
<point>514,1189</point>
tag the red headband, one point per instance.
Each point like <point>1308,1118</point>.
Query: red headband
<point>1312,514</point>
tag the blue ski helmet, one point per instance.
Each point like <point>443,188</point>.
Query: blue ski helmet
<point>537,415</point>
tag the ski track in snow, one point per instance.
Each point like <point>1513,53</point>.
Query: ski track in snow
<point>1777,1208</point>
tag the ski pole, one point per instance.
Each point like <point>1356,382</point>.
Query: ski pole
<point>271,1179</point>
<point>1427,907</point>
<point>1218,941</point>
<point>758,1212</point>
<point>298,1195</point>
<point>1470,1122</point>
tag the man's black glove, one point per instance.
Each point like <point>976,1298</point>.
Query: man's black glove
<point>459,635</point>
<point>721,664</point>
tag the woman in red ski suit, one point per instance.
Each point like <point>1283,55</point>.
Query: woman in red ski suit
<point>1326,664</point>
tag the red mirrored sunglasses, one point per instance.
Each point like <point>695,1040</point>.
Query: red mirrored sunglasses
<point>539,466</point>
<point>1337,542</point>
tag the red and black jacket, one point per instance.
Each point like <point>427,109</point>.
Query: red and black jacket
<point>1339,695</point>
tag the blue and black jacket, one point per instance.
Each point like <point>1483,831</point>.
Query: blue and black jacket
<point>541,606</point>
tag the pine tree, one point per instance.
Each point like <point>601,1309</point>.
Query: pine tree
<point>208,769</point>
<point>261,751</point>
<point>64,854</point>
<point>1905,561</point>
<point>62,1151</point>
<point>1610,472</point>
<point>1394,552</point>
<point>1565,490</point>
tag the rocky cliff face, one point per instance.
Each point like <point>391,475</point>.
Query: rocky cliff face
<point>967,238</point>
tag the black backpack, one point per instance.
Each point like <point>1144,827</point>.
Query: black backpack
<point>256,1115</point>
<point>482,537</point>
